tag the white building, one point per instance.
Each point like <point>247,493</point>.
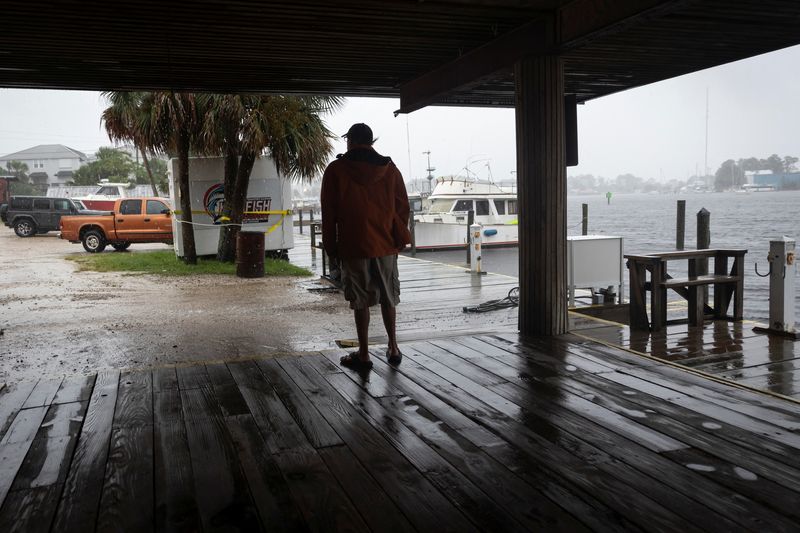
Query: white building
<point>48,164</point>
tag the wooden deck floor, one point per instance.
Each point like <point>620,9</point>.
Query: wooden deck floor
<point>469,433</point>
<point>725,350</point>
<point>432,297</point>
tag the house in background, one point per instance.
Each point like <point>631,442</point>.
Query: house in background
<point>48,164</point>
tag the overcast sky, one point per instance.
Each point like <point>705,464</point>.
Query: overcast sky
<point>656,131</point>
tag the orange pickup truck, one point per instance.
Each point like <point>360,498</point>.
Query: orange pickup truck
<point>132,220</point>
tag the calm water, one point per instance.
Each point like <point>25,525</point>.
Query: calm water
<point>647,224</point>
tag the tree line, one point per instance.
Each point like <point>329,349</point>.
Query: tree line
<point>731,174</point>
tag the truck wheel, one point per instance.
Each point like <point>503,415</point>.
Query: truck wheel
<point>25,227</point>
<point>121,246</point>
<point>94,242</point>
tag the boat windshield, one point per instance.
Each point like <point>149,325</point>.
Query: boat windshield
<point>440,206</point>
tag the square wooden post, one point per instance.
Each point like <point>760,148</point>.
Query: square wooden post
<point>542,195</point>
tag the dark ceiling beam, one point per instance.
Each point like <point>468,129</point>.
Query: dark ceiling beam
<point>476,65</point>
<point>576,24</point>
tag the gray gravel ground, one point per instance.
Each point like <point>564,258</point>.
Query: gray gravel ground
<point>55,320</point>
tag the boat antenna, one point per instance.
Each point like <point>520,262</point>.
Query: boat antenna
<point>489,168</point>
<point>430,170</point>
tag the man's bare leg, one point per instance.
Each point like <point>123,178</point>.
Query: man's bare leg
<point>362,329</point>
<point>389,318</point>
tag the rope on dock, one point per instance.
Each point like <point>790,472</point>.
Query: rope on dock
<point>511,300</point>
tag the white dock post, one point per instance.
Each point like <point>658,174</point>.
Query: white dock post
<point>783,271</point>
<point>781,284</point>
<point>475,241</point>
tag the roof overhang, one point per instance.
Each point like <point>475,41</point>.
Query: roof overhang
<point>450,52</point>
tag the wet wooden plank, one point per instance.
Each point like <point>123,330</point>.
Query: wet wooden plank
<point>192,377</point>
<point>441,348</point>
<point>478,505</point>
<point>316,429</point>
<point>219,375</point>
<point>220,488</point>
<point>11,457</point>
<point>373,383</point>
<point>415,393</point>
<point>77,510</point>
<point>377,508</point>
<point>680,420</point>
<point>758,407</point>
<point>271,492</point>
<point>173,478</point>
<point>560,404</point>
<point>278,427</point>
<point>165,379</point>
<point>613,483</point>
<point>12,398</point>
<point>684,483</point>
<point>127,500</point>
<point>43,393</point>
<point>29,511</point>
<point>25,425</point>
<point>50,454</point>
<point>75,389</point>
<point>421,503</point>
<point>516,498</point>
<point>562,412</point>
<point>745,487</point>
<point>314,490</point>
<point>134,400</point>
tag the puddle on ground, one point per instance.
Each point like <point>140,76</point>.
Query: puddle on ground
<point>700,468</point>
<point>745,474</point>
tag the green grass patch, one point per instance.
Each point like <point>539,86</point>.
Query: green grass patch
<point>164,263</point>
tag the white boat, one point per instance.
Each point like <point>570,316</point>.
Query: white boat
<point>758,187</point>
<point>443,225</point>
<point>106,193</point>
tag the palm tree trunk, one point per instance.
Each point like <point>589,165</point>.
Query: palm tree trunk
<point>226,249</point>
<point>146,163</point>
<point>239,197</point>
<point>187,230</point>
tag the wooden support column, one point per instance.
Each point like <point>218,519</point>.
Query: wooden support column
<point>542,195</point>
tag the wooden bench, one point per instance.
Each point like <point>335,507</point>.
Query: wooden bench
<point>727,285</point>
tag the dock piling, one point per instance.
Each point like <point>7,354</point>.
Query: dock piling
<point>680,229</point>
<point>470,222</point>
<point>703,242</point>
<point>585,219</point>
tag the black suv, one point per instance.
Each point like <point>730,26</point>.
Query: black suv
<point>29,215</point>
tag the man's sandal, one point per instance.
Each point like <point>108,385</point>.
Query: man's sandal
<point>395,359</point>
<point>352,360</point>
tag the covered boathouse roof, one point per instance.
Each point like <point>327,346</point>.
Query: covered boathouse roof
<point>456,52</point>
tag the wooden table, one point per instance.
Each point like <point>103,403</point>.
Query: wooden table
<point>727,285</point>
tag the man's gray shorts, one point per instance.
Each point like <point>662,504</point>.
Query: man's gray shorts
<point>367,282</point>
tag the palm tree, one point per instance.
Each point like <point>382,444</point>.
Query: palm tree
<point>172,126</point>
<point>242,127</point>
<point>127,120</point>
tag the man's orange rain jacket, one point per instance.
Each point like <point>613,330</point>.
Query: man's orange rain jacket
<point>364,206</point>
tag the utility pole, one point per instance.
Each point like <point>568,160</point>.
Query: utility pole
<point>430,170</point>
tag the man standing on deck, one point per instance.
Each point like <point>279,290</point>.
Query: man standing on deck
<point>364,225</point>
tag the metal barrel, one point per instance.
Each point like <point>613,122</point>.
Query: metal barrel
<point>250,254</point>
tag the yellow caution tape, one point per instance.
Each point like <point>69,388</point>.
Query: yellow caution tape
<point>200,212</point>
<point>272,228</point>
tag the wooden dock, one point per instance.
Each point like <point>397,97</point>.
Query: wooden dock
<point>724,350</point>
<point>476,430</point>
<point>432,297</point>
<point>469,433</point>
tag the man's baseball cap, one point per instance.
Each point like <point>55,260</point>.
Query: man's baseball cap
<point>359,134</point>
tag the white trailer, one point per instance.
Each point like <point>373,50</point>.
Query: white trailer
<point>268,209</point>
